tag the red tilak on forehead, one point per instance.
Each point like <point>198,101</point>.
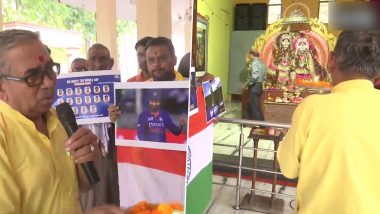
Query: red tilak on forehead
<point>41,59</point>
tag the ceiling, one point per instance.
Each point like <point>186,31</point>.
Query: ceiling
<point>126,9</point>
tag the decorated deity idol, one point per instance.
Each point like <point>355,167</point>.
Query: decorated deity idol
<point>303,60</point>
<point>305,63</point>
<point>282,59</point>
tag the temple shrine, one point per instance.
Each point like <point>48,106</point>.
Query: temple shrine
<point>295,50</point>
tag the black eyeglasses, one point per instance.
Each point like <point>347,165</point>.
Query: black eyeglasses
<point>35,76</point>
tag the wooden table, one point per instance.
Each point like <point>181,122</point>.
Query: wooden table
<point>257,202</point>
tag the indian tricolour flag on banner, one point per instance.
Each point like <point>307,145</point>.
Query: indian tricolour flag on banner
<point>199,160</point>
<point>155,175</point>
<point>167,172</point>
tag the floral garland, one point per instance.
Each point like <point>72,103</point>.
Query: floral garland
<point>144,207</point>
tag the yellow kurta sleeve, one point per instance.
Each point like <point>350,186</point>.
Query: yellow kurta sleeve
<point>9,191</point>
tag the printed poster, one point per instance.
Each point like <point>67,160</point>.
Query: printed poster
<point>193,106</point>
<point>151,137</point>
<point>89,93</point>
<point>213,94</point>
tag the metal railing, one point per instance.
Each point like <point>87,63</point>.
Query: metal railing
<point>248,123</point>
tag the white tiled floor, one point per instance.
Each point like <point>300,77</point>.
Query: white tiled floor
<point>224,197</point>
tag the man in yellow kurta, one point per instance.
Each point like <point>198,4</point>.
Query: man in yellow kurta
<point>333,145</point>
<point>36,175</point>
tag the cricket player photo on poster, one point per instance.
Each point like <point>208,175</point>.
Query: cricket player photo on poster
<point>152,114</point>
<point>151,136</point>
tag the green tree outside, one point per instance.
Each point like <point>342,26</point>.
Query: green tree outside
<point>55,15</point>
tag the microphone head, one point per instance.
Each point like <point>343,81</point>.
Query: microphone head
<point>67,118</point>
<point>65,113</point>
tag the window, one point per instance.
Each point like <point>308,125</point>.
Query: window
<point>274,11</point>
<point>324,10</point>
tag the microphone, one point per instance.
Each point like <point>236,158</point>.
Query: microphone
<point>67,118</point>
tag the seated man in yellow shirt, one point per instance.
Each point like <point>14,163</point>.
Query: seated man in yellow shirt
<point>333,144</point>
<point>36,174</point>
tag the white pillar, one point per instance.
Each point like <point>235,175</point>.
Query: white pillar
<point>106,27</point>
<point>153,18</point>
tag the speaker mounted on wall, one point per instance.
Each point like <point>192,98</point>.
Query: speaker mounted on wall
<point>259,16</point>
<point>250,16</point>
<point>242,17</point>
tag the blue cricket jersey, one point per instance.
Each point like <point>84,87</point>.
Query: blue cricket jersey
<point>153,128</point>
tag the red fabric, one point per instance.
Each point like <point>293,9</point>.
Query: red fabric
<point>159,159</point>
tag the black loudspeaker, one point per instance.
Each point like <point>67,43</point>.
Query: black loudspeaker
<point>259,16</point>
<point>251,16</point>
<point>242,17</point>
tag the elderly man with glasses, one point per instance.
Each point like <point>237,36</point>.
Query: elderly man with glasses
<point>38,162</point>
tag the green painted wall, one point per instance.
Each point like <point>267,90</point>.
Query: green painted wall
<point>220,15</point>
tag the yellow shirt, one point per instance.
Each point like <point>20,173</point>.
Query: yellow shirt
<point>333,146</point>
<point>178,77</point>
<point>36,175</point>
